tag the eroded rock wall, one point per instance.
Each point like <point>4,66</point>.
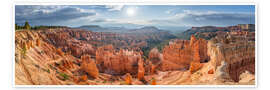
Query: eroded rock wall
<point>116,62</point>
<point>38,62</point>
<point>180,53</point>
<point>236,50</point>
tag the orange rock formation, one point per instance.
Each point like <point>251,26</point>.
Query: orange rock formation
<point>180,53</point>
<point>112,61</point>
<point>141,70</point>
<point>88,65</point>
<point>128,79</point>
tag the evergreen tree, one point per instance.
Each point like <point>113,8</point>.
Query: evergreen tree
<point>27,26</point>
<point>16,27</point>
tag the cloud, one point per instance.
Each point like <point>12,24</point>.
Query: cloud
<point>114,7</point>
<point>81,15</point>
<point>48,15</point>
<point>171,11</point>
<point>186,18</point>
<point>203,18</point>
<point>121,21</point>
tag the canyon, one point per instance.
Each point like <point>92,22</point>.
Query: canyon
<point>70,56</point>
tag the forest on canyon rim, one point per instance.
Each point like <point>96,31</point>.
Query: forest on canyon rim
<point>207,55</point>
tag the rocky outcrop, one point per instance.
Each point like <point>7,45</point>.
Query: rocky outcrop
<point>111,61</point>
<point>195,66</point>
<point>247,77</point>
<point>128,79</point>
<point>211,71</point>
<point>199,49</point>
<point>177,55</point>
<point>153,81</point>
<point>141,70</point>
<point>236,50</point>
<point>155,57</point>
<point>65,65</point>
<point>180,53</point>
<point>69,40</point>
<point>38,63</point>
<point>88,65</point>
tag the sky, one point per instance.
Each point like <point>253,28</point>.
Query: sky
<point>132,16</point>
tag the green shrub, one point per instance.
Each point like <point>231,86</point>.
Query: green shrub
<point>48,70</point>
<point>65,76</point>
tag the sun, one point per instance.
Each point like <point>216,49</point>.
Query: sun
<point>131,11</point>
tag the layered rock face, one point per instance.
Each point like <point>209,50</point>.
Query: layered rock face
<point>40,63</point>
<point>80,42</point>
<point>237,50</point>
<point>68,40</point>
<point>179,53</point>
<point>112,61</point>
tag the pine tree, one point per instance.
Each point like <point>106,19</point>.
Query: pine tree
<point>16,27</point>
<point>27,26</point>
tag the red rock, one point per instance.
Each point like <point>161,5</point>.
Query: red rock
<point>59,51</point>
<point>192,40</point>
<point>238,52</point>
<point>128,79</point>
<point>89,66</point>
<point>180,53</point>
<point>38,42</point>
<point>195,66</point>
<point>211,71</point>
<point>76,80</point>
<point>28,45</point>
<point>111,61</point>
<point>67,64</point>
<point>140,70</point>
<point>84,77</point>
<point>153,81</point>
<point>154,56</point>
<point>200,48</point>
<point>153,69</point>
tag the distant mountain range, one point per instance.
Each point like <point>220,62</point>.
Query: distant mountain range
<point>145,29</point>
<point>186,34</point>
<point>97,28</point>
<point>182,33</point>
